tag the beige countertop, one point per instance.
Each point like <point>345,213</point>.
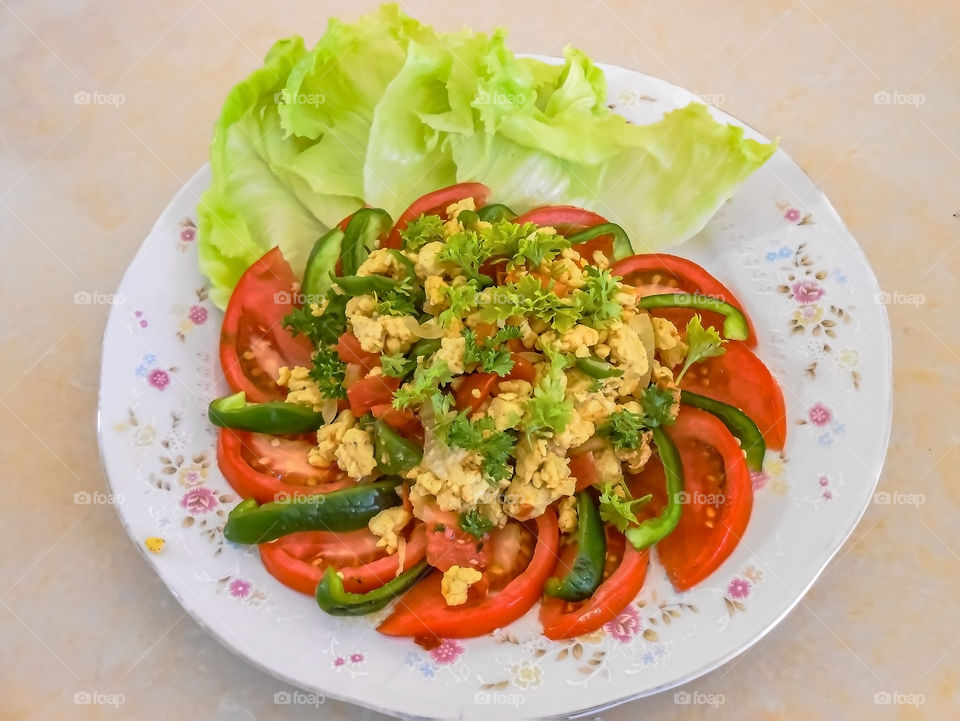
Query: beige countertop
<point>80,186</point>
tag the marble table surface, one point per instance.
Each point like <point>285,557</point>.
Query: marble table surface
<point>81,184</point>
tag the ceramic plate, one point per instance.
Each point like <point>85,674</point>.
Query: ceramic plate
<point>778,244</point>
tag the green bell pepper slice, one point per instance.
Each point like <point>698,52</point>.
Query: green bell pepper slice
<point>275,417</point>
<point>586,573</point>
<point>344,510</point>
<point>495,212</point>
<point>361,236</point>
<point>734,322</point>
<point>322,259</point>
<point>394,454</point>
<point>337,601</point>
<point>651,530</point>
<point>621,241</point>
<point>737,422</point>
<point>597,368</point>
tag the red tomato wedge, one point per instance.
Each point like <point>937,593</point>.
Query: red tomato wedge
<point>522,370</point>
<point>424,612</point>
<point>404,422</point>
<point>741,379</point>
<point>349,350</point>
<point>567,620</point>
<point>655,273</point>
<point>718,498</point>
<point>256,468</point>
<point>569,219</point>
<point>253,342</point>
<point>474,390</point>
<point>584,469</point>
<point>371,391</point>
<point>436,203</point>
<point>300,559</point>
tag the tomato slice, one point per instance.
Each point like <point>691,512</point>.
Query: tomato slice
<point>561,619</point>
<point>404,422</point>
<point>256,468</point>
<point>253,342</point>
<point>349,350</point>
<point>569,219</point>
<point>717,502</point>
<point>474,390</point>
<point>300,559</point>
<point>654,273</point>
<point>741,379</point>
<point>522,370</point>
<point>371,391</point>
<point>584,469</point>
<point>436,203</point>
<point>423,611</point>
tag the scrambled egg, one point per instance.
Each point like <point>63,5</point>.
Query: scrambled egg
<point>567,515</point>
<point>456,582</point>
<point>541,477</point>
<point>387,525</point>
<point>329,438</point>
<point>670,346</point>
<point>302,389</point>
<point>382,262</point>
<point>451,352</point>
<point>355,453</point>
<point>506,408</point>
<point>463,488</point>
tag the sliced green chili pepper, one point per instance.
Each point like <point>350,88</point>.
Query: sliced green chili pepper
<point>468,218</point>
<point>737,422</point>
<point>587,570</point>
<point>597,368</point>
<point>362,284</point>
<point>425,347</point>
<point>734,322</point>
<point>274,417</point>
<point>322,259</point>
<point>394,453</point>
<point>621,241</point>
<point>652,530</point>
<point>361,236</point>
<point>335,600</point>
<point>338,511</point>
<point>495,212</point>
<point>405,262</point>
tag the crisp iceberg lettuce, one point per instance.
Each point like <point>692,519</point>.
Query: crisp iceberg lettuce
<point>386,109</point>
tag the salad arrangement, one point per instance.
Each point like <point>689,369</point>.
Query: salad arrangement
<point>473,410</point>
<point>467,411</point>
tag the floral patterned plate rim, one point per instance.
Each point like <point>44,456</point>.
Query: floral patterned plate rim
<point>782,248</point>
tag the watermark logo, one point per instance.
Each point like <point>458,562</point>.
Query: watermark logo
<point>285,97</point>
<point>499,698</point>
<point>699,498</point>
<point>685,97</point>
<point>514,100</point>
<point>299,698</point>
<point>698,698</point>
<point>95,297</point>
<point>897,698</point>
<point>97,498</point>
<point>886,97</point>
<point>285,297</point>
<point>95,97</point>
<point>898,498</point>
<point>98,698</point>
<point>886,297</point>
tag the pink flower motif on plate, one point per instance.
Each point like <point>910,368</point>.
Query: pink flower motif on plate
<point>158,378</point>
<point>188,234</point>
<point>339,662</point>
<point>199,500</point>
<point>819,414</point>
<point>758,479</point>
<point>447,652</point>
<point>625,626</point>
<point>793,215</point>
<point>198,314</point>
<point>239,588</point>
<point>806,291</point>
<point>356,658</point>
<point>739,588</point>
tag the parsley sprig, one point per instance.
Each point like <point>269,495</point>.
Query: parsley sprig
<point>616,506</point>
<point>328,372</point>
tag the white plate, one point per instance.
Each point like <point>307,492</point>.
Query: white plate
<point>781,248</point>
